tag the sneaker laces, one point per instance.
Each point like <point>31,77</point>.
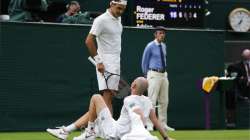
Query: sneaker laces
<point>85,134</point>
<point>89,132</point>
<point>62,130</point>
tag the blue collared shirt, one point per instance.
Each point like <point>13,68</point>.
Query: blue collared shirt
<point>152,57</point>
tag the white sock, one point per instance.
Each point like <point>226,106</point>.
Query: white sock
<point>91,125</point>
<point>70,128</point>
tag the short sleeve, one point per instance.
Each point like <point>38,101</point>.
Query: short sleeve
<point>97,27</point>
<point>130,104</point>
<point>148,107</point>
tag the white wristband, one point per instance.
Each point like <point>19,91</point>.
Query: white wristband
<point>97,59</point>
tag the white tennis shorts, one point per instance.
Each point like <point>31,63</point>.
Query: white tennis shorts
<point>113,81</point>
<point>105,125</point>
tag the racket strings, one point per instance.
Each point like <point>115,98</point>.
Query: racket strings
<point>107,75</point>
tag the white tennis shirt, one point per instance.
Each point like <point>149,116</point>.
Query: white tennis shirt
<point>126,120</point>
<point>108,31</point>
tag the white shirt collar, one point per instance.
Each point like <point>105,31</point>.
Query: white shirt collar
<point>108,12</point>
<point>157,43</point>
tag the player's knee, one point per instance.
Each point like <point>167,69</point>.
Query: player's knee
<point>96,96</point>
<point>107,96</point>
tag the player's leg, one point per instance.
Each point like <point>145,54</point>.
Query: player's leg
<point>154,83</point>
<point>107,97</point>
<point>97,104</point>
<point>82,121</point>
<point>103,89</point>
<point>109,86</point>
<point>64,131</point>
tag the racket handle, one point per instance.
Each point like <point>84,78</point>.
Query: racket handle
<point>92,60</point>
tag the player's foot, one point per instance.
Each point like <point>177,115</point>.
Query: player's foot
<point>168,128</point>
<point>59,133</point>
<point>86,135</point>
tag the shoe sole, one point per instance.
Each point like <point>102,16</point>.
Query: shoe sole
<point>54,135</point>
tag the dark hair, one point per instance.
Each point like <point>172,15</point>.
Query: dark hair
<point>160,28</point>
<point>72,3</point>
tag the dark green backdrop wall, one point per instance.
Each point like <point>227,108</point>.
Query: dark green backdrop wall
<point>46,79</point>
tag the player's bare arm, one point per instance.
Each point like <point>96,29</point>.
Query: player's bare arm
<point>91,45</point>
<point>157,124</point>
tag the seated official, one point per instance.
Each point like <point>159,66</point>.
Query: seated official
<point>74,15</point>
<point>242,70</point>
<point>241,87</point>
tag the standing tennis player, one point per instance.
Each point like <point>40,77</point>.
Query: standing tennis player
<point>106,31</point>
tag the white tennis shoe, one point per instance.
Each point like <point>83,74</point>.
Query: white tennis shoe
<point>86,135</point>
<point>59,133</point>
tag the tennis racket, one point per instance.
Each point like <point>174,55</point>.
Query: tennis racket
<point>123,87</point>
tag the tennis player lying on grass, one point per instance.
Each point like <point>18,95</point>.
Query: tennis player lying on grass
<point>129,126</point>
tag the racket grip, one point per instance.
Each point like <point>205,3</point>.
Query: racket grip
<point>92,60</point>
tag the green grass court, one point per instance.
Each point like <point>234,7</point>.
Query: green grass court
<point>178,135</point>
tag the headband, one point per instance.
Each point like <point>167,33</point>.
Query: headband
<point>122,2</point>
